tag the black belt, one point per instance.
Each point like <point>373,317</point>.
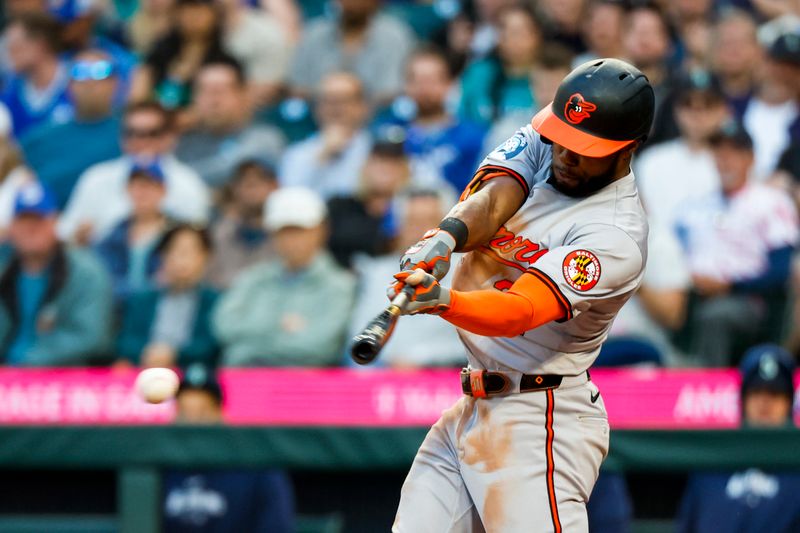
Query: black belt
<point>483,383</point>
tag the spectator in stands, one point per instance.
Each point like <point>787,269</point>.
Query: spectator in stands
<point>365,222</point>
<point>129,249</point>
<point>694,39</point>
<point>434,138</point>
<point>58,154</point>
<point>212,501</point>
<point>292,311</point>
<point>750,501</point>
<point>372,45</point>
<point>773,114</point>
<point>418,342</point>
<point>602,30</point>
<point>500,83</point>
<point>257,40</point>
<point>564,22</point>
<point>736,56</point>
<point>170,68</point>
<point>675,171</point>
<point>330,160</point>
<point>483,38</point>
<point>100,200</point>
<point>55,302</point>
<point>12,172</point>
<point>554,63</point>
<point>78,20</point>
<point>239,237</point>
<point>81,31</point>
<point>171,325</point>
<point>648,45</point>
<point>455,39</point>
<point>151,23</point>
<point>224,135</point>
<point>739,243</point>
<point>37,93</point>
<point>13,9</point>
<point>787,173</point>
<point>785,53</point>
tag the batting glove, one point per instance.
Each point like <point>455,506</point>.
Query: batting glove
<point>431,254</point>
<point>428,297</point>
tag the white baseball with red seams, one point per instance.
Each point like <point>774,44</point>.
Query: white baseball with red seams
<point>157,385</point>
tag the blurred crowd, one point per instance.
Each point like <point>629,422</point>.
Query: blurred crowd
<point>232,182</point>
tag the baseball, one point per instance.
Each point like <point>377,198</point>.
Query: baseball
<point>156,385</point>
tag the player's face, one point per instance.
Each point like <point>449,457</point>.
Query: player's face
<point>766,408</point>
<point>577,175</point>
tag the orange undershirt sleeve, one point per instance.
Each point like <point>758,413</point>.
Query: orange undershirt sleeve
<point>529,303</point>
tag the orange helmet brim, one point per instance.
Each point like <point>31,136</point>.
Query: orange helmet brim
<point>551,127</point>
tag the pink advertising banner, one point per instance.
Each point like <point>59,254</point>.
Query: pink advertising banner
<point>647,399</point>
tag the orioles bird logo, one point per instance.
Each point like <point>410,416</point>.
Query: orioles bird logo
<point>578,108</point>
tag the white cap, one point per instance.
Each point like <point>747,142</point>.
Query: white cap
<point>294,206</point>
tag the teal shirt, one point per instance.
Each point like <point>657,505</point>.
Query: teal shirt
<point>59,154</point>
<point>30,293</point>
<point>487,94</point>
<point>138,265</point>
<point>271,317</point>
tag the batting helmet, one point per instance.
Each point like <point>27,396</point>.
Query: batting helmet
<point>600,107</point>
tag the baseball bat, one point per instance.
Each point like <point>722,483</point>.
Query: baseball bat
<point>369,343</point>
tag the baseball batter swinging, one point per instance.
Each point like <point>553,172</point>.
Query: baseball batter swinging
<point>557,242</point>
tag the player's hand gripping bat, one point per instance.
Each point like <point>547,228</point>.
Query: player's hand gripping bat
<point>432,253</point>
<point>368,344</point>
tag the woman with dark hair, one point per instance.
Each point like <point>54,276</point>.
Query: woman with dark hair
<point>170,67</point>
<point>170,325</point>
<point>500,82</point>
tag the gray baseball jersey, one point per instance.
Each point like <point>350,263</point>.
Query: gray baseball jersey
<point>590,252</point>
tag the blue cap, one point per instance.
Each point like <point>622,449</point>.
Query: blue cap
<point>65,11</point>
<point>34,199</point>
<point>152,170</point>
<point>768,367</point>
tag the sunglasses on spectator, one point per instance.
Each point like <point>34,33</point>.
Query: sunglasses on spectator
<point>92,70</point>
<point>140,133</point>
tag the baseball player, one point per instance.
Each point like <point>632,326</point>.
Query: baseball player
<point>557,241</point>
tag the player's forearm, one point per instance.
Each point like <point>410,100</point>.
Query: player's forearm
<point>527,305</point>
<point>490,313</point>
<point>484,211</point>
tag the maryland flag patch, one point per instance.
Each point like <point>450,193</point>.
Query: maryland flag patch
<point>581,270</point>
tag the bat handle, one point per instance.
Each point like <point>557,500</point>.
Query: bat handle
<point>369,343</point>
<point>401,300</point>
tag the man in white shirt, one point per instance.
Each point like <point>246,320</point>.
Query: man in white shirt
<point>738,244</point>
<point>672,172</point>
<point>99,200</point>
